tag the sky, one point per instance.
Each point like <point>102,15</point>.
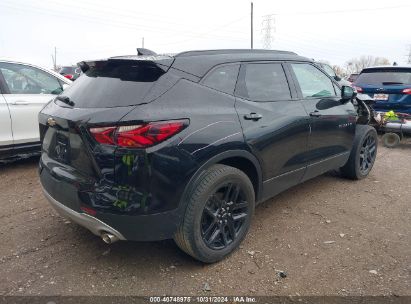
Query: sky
<point>334,31</point>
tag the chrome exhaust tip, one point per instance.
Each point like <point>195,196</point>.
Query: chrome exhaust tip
<point>108,238</point>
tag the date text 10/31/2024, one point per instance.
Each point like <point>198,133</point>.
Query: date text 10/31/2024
<point>202,299</point>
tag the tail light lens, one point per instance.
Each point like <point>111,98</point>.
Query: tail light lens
<point>138,136</point>
<point>69,76</point>
<point>88,210</point>
<point>407,91</point>
<point>358,89</point>
<point>104,135</point>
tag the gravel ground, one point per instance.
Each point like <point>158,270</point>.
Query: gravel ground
<point>329,236</point>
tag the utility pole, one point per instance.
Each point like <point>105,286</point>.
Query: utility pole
<point>409,54</point>
<point>142,42</point>
<point>252,24</point>
<point>268,30</point>
<point>54,58</point>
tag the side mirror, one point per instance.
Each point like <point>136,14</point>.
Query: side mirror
<point>337,78</point>
<point>347,93</point>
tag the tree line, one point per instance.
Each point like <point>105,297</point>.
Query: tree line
<point>355,65</point>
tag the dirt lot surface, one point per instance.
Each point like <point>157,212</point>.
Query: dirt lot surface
<point>330,236</point>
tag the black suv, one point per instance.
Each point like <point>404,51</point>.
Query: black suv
<point>154,147</point>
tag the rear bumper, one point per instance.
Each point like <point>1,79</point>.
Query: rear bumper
<point>91,223</point>
<point>67,199</point>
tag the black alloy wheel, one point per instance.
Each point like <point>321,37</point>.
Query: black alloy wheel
<point>363,153</point>
<point>224,216</point>
<point>367,154</point>
<point>220,206</point>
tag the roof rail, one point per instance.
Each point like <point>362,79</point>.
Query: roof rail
<point>231,51</point>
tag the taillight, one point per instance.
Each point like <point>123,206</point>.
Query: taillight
<point>358,89</point>
<point>88,210</point>
<point>69,76</point>
<point>104,135</point>
<point>407,91</point>
<point>138,136</point>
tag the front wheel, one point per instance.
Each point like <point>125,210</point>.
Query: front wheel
<point>363,153</point>
<point>218,214</point>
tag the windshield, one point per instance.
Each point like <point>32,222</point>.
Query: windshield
<point>329,70</point>
<point>385,77</point>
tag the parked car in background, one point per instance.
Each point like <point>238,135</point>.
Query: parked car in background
<point>330,71</point>
<point>24,90</point>
<point>352,78</point>
<point>362,102</point>
<point>70,72</point>
<point>390,86</point>
<point>184,146</point>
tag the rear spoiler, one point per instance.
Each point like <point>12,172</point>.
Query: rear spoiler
<point>84,67</point>
<point>162,61</point>
<point>142,55</point>
<point>145,52</point>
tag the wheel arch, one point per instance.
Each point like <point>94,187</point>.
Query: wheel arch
<point>240,159</point>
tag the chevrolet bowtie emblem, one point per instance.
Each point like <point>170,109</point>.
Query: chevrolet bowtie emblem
<point>51,122</point>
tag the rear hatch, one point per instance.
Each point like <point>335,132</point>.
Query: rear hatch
<point>73,166</point>
<point>390,87</point>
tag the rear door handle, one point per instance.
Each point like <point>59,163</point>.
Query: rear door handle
<point>315,114</point>
<point>253,116</point>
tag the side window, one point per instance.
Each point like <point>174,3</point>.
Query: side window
<point>312,81</point>
<point>223,78</point>
<point>265,82</point>
<point>22,79</point>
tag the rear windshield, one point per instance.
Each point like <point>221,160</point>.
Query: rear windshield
<point>114,84</point>
<point>67,70</point>
<point>385,77</point>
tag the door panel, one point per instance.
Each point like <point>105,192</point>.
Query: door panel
<point>6,136</point>
<point>333,130</point>
<point>274,125</point>
<point>278,139</point>
<point>24,110</point>
<point>332,134</point>
<point>332,122</point>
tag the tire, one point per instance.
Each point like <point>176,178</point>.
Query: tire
<point>390,140</point>
<point>209,211</point>
<point>363,153</point>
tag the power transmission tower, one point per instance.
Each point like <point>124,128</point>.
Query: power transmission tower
<point>268,30</point>
<point>409,54</point>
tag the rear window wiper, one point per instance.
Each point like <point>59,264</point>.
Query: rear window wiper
<point>65,99</point>
<point>391,82</point>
